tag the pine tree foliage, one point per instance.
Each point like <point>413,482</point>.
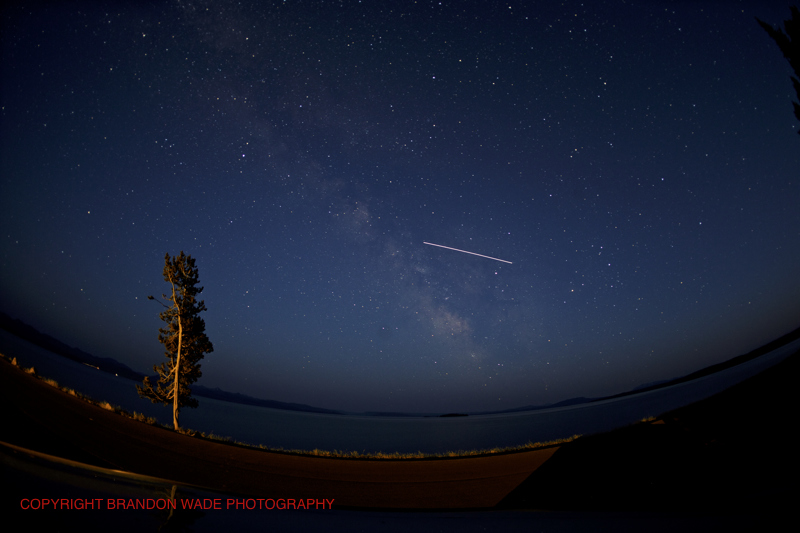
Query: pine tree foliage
<point>789,43</point>
<point>183,337</point>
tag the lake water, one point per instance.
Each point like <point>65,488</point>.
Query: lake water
<point>278,428</point>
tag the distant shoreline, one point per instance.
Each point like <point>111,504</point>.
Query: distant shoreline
<point>26,332</point>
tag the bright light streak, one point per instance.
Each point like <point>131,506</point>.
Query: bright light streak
<point>466,252</point>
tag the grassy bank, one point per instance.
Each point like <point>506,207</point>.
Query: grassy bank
<point>315,453</point>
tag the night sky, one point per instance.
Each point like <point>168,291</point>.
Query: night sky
<point>635,162</point>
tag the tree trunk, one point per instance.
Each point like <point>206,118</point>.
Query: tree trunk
<point>177,369</point>
<point>176,389</point>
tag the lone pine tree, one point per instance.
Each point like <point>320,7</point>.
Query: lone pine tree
<point>183,337</point>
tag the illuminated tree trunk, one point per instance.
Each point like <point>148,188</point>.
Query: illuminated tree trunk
<point>176,389</point>
<point>176,409</point>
